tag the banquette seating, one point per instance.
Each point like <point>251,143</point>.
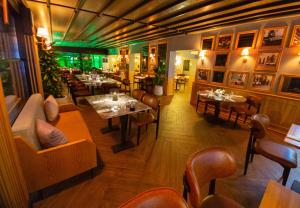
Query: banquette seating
<point>46,167</point>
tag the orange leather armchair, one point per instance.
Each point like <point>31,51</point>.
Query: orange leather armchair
<point>206,166</point>
<point>156,198</point>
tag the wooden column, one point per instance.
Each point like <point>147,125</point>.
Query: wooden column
<point>13,191</point>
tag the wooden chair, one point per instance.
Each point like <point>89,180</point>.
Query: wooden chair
<point>137,81</point>
<point>78,89</point>
<point>249,108</point>
<point>205,101</point>
<point>258,144</point>
<point>138,94</point>
<point>125,86</point>
<point>206,166</point>
<point>156,198</point>
<point>181,80</point>
<point>146,118</point>
<point>147,84</point>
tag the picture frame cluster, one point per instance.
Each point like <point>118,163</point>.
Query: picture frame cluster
<point>269,44</point>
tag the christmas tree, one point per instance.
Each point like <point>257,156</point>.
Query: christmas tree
<point>50,72</point>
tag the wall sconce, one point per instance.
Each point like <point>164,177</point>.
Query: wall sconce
<point>42,32</point>
<point>245,54</point>
<point>202,56</point>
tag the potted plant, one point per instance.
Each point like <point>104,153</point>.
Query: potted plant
<point>50,72</point>
<point>159,80</point>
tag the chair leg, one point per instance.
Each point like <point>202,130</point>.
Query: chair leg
<point>185,188</point>
<point>248,153</point>
<point>129,128</point>
<point>229,115</point>
<point>236,120</point>
<point>157,127</point>
<point>205,108</point>
<point>285,175</point>
<point>197,103</point>
<point>138,136</point>
<point>212,187</point>
<point>74,99</point>
<point>246,116</point>
<point>252,156</point>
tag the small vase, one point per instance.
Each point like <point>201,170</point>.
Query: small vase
<point>158,90</point>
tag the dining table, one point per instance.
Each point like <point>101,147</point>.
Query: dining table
<point>279,196</point>
<point>92,81</point>
<point>119,105</point>
<point>218,97</point>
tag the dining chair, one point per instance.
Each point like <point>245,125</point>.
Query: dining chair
<point>77,89</point>
<point>145,118</point>
<point>204,100</point>
<point>138,94</point>
<point>106,88</point>
<point>259,144</point>
<point>137,81</point>
<point>249,108</point>
<point>205,167</point>
<point>156,198</point>
<point>125,86</point>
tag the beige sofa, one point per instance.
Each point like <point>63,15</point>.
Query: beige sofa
<point>45,167</point>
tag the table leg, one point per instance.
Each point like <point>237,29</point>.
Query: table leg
<point>110,127</point>
<point>217,110</point>
<point>125,144</point>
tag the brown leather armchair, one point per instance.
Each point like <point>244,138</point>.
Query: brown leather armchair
<point>146,118</point>
<point>206,166</point>
<point>156,198</point>
<point>138,94</point>
<point>258,144</point>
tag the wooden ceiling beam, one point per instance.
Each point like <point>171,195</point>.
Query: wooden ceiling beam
<point>232,21</point>
<point>171,16</point>
<point>79,5</point>
<point>116,18</point>
<point>212,17</point>
<point>142,19</point>
<point>98,14</point>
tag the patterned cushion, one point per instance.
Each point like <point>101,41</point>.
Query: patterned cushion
<point>51,108</point>
<point>49,135</point>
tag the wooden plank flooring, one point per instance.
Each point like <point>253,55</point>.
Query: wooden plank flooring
<point>162,162</point>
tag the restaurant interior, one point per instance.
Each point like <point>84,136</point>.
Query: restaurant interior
<point>149,104</point>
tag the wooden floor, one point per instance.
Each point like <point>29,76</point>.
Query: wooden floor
<point>162,162</point>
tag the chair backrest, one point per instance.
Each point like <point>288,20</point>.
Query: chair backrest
<point>158,198</point>
<point>151,101</point>
<point>138,94</point>
<point>254,101</point>
<point>207,165</point>
<point>259,124</point>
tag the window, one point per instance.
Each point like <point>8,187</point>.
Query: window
<point>12,69</point>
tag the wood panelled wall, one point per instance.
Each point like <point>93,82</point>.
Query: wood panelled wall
<point>283,111</point>
<point>13,191</point>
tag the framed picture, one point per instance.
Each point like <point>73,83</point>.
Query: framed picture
<point>273,37</point>
<point>218,76</point>
<point>221,59</point>
<point>268,61</point>
<point>224,42</point>
<point>289,85</point>
<point>246,39</point>
<point>238,79</point>
<point>202,75</point>
<point>295,40</point>
<point>208,43</point>
<point>262,81</point>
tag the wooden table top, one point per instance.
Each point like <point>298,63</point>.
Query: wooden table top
<point>293,136</point>
<point>278,196</point>
<point>107,108</point>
